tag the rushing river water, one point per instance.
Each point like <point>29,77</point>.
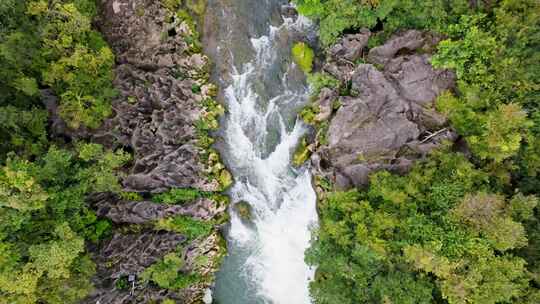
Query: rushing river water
<point>263,91</point>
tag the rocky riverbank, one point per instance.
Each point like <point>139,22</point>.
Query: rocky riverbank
<point>165,244</point>
<point>380,113</point>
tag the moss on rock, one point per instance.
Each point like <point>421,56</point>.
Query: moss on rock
<point>244,210</point>
<point>302,153</point>
<point>303,56</point>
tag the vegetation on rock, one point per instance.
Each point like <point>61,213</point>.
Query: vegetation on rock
<point>185,225</point>
<point>303,56</point>
<point>168,273</point>
<point>302,153</point>
<point>244,210</point>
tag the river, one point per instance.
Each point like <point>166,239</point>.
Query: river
<point>263,91</point>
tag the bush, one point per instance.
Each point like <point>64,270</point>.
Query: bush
<point>168,273</point>
<point>185,225</point>
<point>178,196</point>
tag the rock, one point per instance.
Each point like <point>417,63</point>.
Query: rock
<point>390,121</point>
<point>289,11</point>
<point>130,254</point>
<point>128,212</point>
<point>159,101</point>
<point>408,41</point>
<point>207,299</point>
<point>342,56</point>
<point>325,103</point>
<point>340,70</point>
<point>418,81</point>
<point>244,210</point>
<point>161,83</point>
<point>351,46</point>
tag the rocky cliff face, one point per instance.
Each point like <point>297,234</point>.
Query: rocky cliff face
<point>163,113</point>
<point>388,119</point>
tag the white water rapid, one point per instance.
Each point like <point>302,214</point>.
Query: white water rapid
<point>266,254</point>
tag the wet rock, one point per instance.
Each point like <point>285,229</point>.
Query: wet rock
<point>391,120</point>
<point>244,210</point>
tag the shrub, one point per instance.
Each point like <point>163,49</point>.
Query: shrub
<point>186,225</point>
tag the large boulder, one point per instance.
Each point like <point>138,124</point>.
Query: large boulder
<point>408,41</point>
<point>351,46</point>
<point>390,120</point>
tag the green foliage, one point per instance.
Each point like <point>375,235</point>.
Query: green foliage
<point>185,225</point>
<point>53,45</point>
<point>168,273</point>
<point>318,81</point>
<point>197,6</point>
<point>491,55</point>
<point>485,214</point>
<point>178,196</point>
<point>84,82</point>
<point>303,56</point>
<point>171,5</point>
<point>452,228</point>
<point>336,16</point>
<point>375,246</point>
<point>44,221</point>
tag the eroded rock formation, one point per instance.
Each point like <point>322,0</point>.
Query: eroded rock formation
<point>161,109</point>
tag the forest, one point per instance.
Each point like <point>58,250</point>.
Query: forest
<point>44,219</point>
<point>460,227</point>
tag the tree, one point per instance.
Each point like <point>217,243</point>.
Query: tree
<point>44,222</point>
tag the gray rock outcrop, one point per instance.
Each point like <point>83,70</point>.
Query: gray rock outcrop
<point>142,212</point>
<point>163,84</point>
<point>390,120</point>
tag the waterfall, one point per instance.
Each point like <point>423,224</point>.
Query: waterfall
<point>266,253</point>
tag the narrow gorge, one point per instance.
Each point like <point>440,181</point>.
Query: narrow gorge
<point>269,152</point>
<point>273,203</point>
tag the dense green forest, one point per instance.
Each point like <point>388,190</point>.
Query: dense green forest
<point>456,229</point>
<point>44,220</point>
